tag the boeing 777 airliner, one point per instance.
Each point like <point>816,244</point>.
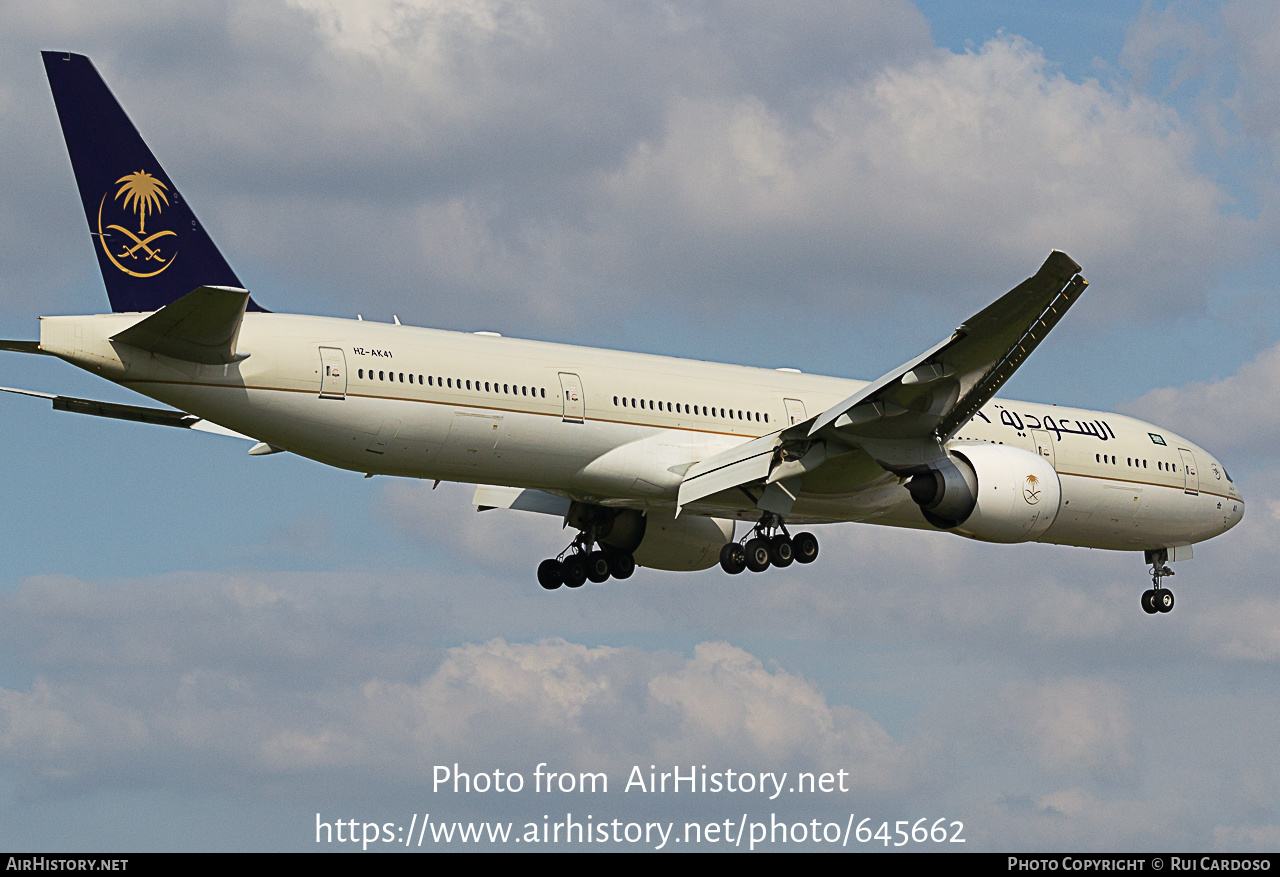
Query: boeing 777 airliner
<point>653,460</point>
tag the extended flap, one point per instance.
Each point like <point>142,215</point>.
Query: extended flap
<point>748,462</point>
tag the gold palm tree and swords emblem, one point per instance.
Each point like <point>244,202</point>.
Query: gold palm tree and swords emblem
<point>1031,490</point>
<point>144,194</point>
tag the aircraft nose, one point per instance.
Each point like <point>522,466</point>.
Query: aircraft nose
<point>1232,512</point>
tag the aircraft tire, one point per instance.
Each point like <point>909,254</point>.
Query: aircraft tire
<point>805,547</point>
<point>621,565</point>
<point>757,555</point>
<point>549,574</point>
<point>733,558</point>
<point>574,571</point>
<point>781,552</point>
<point>598,567</point>
<point>1164,600</point>
<point>1149,602</point>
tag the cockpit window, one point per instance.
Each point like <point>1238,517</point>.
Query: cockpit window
<point>1228,474</point>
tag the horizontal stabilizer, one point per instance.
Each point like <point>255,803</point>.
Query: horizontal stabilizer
<point>136,413</point>
<point>202,326</point>
<point>21,346</point>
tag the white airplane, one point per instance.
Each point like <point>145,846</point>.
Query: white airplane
<point>653,460</point>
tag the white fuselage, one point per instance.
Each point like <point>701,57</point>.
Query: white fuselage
<point>622,429</point>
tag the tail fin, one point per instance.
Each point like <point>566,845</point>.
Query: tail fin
<point>151,248</point>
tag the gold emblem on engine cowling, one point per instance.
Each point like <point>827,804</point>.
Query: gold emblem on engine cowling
<point>136,253</point>
<point>1031,490</point>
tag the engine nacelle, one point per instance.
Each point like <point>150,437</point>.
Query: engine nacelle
<point>661,541</point>
<point>995,493</point>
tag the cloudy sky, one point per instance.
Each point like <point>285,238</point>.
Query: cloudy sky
<point>202,650</point>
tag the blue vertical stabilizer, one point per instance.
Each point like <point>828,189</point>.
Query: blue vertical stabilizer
<point>151,248</point>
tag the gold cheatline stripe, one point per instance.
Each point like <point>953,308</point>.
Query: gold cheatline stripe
<point>609,420</point>
<point>1147,484</point>
<point>438,402</point>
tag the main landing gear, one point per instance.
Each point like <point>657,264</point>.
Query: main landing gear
<point>583,561</point>
<point>1158,598</point>
<point>768,544</point>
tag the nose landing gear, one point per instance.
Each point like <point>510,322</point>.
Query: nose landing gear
<point>768,544</point>
<point>1158,598</point>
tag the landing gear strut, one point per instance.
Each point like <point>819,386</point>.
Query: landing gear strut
<point>1158,598</point>
<point>768,544</point>
<point>586,559</point>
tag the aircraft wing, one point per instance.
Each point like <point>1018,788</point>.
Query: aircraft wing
<point>136,413</point>
<point>903,418</point>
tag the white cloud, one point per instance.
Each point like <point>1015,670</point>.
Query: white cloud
<point>1237,415</point>
<point>1076,818</point>
<point>221,684</point>
<point>1248,630</point>
<point>1074,725</point>
<point>556,162</point>
<point>969,166</point>
<point>1235,838</point>
<point>498,539</point>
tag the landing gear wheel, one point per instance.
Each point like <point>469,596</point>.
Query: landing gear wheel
<point>757,555</point>
<point>781,552</point>
<point>733,558</point>
<point>549,574</point>
<point>1158,598</point>
<point>805,547</point>
<point>621,566</point>
<point>574,570</point>
<point>598,567</point>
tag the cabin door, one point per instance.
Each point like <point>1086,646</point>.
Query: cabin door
<point>333,373</point>
<point>575,406</point>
